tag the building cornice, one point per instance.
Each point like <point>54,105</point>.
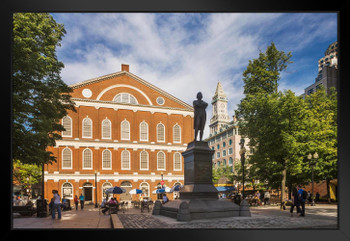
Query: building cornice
<point>134,107</point>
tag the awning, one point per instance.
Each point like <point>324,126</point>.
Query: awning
<point>225,188</point>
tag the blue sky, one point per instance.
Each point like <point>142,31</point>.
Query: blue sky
<point>183,53</point>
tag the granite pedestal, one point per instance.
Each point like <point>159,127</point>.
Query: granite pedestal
<point>198,197</point>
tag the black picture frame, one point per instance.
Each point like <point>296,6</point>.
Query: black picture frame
<point>340,7</point>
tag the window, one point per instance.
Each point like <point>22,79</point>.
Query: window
<point>145,188</point>
<point>230,142</point>
<point>218,146</point>
<point>160,161</point>
<point>224,144</point>
<point>125,130</point>
<point>106,129</point>
<point>67,190</point>
<point>177,134</point>
<point>87,128</point>
<point>87,159</point>
<point>224,153</point>
<point>67,124</point>
<point>143,160</point>
<point>105,186</point>
<point>218,154</point>
<point>160,101</point>
<point>230,161</point>
<point>66,158</point>
<point>106,159</point>
<point>125,98</point>
<point>224,162</point>
<point>230,151</point>
<point>160,133</point>
<point>177,161</point>
<point>125,160</point>
<point>143,131</point>
<point>218,164</point>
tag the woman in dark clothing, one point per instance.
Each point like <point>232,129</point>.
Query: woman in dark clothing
<point>295,201</point>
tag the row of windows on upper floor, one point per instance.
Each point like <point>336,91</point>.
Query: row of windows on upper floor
<point>124,127</point>
<point>223,163</point>
<point>224,153</point>
<point>87,160</point>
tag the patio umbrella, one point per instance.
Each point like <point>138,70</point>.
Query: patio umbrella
<point>157,191</point>
<point>135,191</point>
<point>116,190</point>
<point>176,188</point>
<point>167,189</point>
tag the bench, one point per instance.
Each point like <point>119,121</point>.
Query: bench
<point>24,210</point>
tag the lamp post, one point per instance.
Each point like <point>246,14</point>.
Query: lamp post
<point>242,153</point>
<point>96,189</point>
<point>312,164</point>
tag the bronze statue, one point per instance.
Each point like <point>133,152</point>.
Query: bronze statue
<point>199,116</point>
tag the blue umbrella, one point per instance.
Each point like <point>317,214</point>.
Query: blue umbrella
<point>157,191</point>
<point>176,188</point>
<point>115,190</point>
<point>135,191</point>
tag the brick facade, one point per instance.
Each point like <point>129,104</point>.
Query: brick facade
<point>95,101</point>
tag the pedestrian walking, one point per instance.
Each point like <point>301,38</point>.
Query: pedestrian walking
<point>302,198</point>
<point>82,199</point>
<point>309,198</point>
<point>267,198</point>
<point>317,197</point>
<point>76,202</point>
<point>295,201</point>
<point>56,205</point>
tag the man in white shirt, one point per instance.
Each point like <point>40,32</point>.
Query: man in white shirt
<point>56,205</point>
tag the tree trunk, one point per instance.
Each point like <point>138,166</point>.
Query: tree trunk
<point>328,191</point>
<point>283,184</point>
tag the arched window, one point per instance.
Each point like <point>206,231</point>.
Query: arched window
<point>125,98</point>
<point>125,130</point>
<point>87,128</point>
<point>177,134</point>
<point>125,160</point>
<point>160,133</point>
<point>106,159</point>
<point>143,131</point>
<point>67,158</point>
<point>177,161</point>
<point>106,129</point>
<point>144,160</point>
<point>160,161</point>
<point>224,162</point>
<point>67,190</point>
<point>230,161</point>
<point>87,159</point>
<point>67,124</point>
<point>145,188</point>
<point>105,186</point>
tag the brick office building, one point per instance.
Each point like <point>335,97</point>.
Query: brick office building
<point>125,132</point>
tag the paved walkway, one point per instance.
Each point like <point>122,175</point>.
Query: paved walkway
<point>271,217</point>
<point>87,218</point>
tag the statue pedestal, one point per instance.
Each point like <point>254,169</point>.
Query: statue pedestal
<point>198,198</point>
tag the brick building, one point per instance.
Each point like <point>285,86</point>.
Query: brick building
<point>125,132</point>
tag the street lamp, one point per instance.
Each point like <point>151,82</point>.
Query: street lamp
<point>312,164</point>
<point>242,153</point>
<point>96,189</point>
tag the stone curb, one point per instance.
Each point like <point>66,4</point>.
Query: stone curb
<point>116,223</point>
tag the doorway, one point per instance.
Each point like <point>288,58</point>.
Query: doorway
<point>87,192</point>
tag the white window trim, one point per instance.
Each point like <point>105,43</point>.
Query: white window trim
<point>82,129</point>
<point>179,133</point>
<point>71,159</point>
<point>110,129</point>
<point>129,102</point>
<point>144,122</point>
<point>121,161</point>
<point>144,169</point>
<point>175,160</point>
<point>148,187</point>
<point>160,123</point>
<point>71,127</point>
<point>104,168</point>
<point>105,184</point>
<point>72,187</point>
<point>92,159</point>
<point>121,130</point>
<point>163,169</point>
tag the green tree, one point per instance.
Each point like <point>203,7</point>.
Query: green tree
<point>222,171</point>
<point>322,133</point>
<point>25,175</point>
<point>40,97</point>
